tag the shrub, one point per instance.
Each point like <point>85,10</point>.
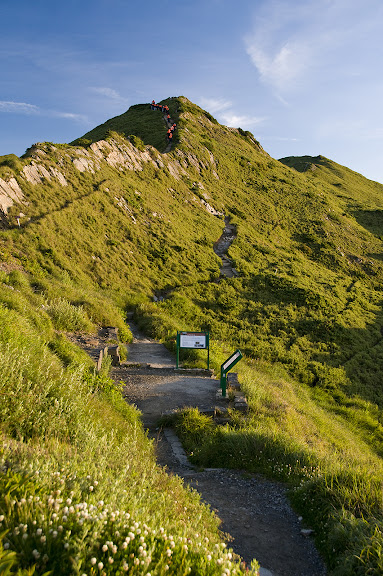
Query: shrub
<point>137,142</point>
<point>66,316</point>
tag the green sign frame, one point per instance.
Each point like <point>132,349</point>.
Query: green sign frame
<point>228,365</point>
<point>195,341</point>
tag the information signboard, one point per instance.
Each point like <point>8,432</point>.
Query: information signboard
<point>195,340</point>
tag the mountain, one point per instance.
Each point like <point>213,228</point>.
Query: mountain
<point>111,222</point>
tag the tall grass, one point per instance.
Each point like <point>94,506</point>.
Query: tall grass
<point>305,307</point>
<point>80,492</point>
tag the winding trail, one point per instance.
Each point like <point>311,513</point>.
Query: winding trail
<point>256,516</point>
<point>222,246</point>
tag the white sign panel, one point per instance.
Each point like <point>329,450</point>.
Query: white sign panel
<point>193,340</point>
<point>230,360</point>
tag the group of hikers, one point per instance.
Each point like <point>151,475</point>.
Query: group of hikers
<point>165,110</point>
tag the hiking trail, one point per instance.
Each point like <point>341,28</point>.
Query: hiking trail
<point>256,518</point>
<point>255,512</point>
<point>222,246</point>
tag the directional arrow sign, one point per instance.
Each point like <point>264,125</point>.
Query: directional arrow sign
<point>226,366</point>
<point>231,361</point>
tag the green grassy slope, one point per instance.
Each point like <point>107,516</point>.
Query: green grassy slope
<point>136,121</point>
<point>305,307</point>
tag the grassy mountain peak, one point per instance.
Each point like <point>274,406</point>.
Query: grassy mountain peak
<point>96,228</point>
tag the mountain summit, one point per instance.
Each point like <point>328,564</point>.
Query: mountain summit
<point>123,220</point>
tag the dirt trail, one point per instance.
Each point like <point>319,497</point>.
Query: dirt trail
<point>255,512</point>
<point>221,247</point>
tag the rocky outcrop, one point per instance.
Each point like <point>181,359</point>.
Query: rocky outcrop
<point>120,154</point>
<point>10,192</point>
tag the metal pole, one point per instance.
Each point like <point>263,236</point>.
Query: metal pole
<point>208,351</point>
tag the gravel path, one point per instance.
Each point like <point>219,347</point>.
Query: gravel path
<point>255,512</point>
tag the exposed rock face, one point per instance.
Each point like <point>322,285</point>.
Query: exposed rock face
<point>10,192</point>
<point>122,156</point>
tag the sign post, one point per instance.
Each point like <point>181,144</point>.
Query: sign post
<point>228,365</point>
<point>195,340</point>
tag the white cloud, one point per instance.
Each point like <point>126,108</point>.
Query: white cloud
<point>297,43</point>
<point>18,107</point>
<point>235,120</point>
<point>109,93</point>
<point>70,115</point>
<point>224,111</point>
<point>281,66</point>
<point>31,109</point>
<point>214,105</point>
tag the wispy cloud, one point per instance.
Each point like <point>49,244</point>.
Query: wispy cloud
<point>109,93</point>
<point>280,139</point>
<point>293,43</point>
<point>214,105</point>
<point>280,66</point>
<point>237,120</point>
<point>70,115</point>
<point>18,107</point>
<point>225,113</point>
<point>31,109</point>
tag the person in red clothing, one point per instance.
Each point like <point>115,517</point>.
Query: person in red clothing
<point>153,105</point>
<point>170,136</point>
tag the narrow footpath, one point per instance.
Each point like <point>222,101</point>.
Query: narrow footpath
<point>256,516</point>
<point>221,247</point>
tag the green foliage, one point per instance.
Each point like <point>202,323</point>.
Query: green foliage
<point>140,124</point>
<point>85,142</point>
<point>10,161</point>
<point>305,308</point>
<point>66,316</point>
<point>77,490</point>
<point>137,142</point>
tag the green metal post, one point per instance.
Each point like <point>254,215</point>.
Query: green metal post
<point>223,383</point>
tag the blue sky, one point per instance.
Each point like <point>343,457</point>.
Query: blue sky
<point>303,75</point>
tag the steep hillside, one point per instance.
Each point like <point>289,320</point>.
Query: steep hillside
<point>361,197</point>
<point>101,226</point>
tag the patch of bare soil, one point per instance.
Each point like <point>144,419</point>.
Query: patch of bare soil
<point>222,246</point>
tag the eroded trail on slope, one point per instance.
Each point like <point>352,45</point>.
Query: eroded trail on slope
<point>222,246</point>
<point>255,512</point>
